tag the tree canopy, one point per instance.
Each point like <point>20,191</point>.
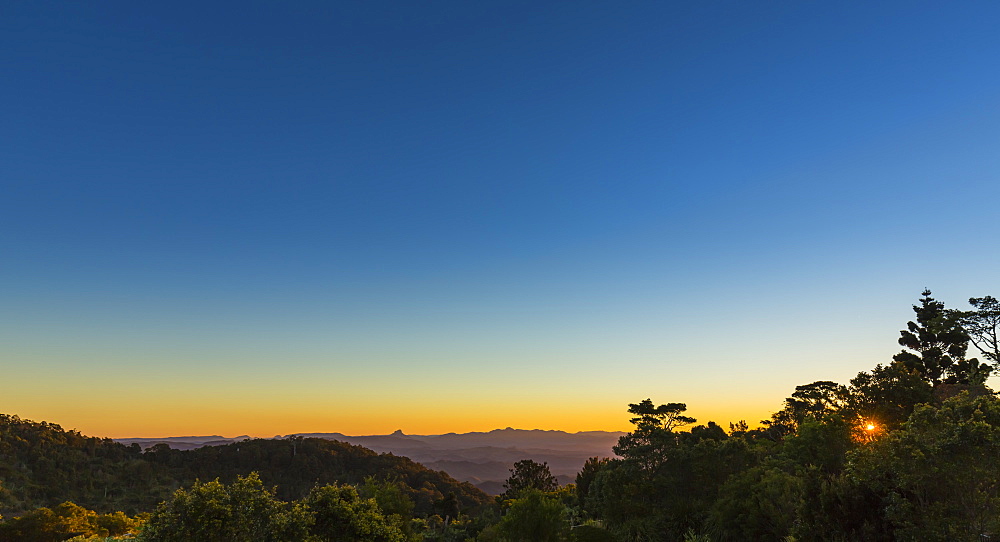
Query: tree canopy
<point>42,465</point>
<point>527,474</point>
<point>904,451</point>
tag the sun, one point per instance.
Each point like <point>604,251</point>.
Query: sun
<point>870,427</point>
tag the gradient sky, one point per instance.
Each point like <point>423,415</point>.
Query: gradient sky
<point>269,217</point>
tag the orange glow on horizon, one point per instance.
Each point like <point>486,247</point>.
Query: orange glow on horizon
<point>268,418</point>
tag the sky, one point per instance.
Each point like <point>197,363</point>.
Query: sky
<point>264,217</point>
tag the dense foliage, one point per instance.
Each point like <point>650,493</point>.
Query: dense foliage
<point>296,465</point>
<point>43,466</point>
<point>66,521</point>
<point>246,510</point>
<point>904,452</point>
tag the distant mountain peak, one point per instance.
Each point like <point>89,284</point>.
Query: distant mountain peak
<point>398,433</point>
<point>512,430</point>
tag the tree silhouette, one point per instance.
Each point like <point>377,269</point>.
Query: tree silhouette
<point>982,325</point>
<point>528,474</point>
<point>938,344</point>
<point>653,434</point>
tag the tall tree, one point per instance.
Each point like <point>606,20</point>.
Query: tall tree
<point>534,517</point>
<point>886,396</point>
<point>982,325</point>
<point>528,474</point>
<point>812,401</point>
<point>586,476</point>
<point>653,435</point>
<point>665,417</point>
<point>938,343</point>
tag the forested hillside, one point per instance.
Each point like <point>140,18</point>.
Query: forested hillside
<point>43,465</point>
<point>296,465</point>
<point>480,458</point>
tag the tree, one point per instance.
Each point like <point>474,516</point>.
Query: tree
<point>623,497</point>
<point>808,401</point>
<point>526,475</point>
<point>886,396</point>
<point>982,325</point>
<point>665,417</point>
<point>534,517</point>
<point>244,511</point>
<point>65,521</point>
<point>840,508</point>
<point>341,515</point>
<point>822,444</point>
<point>393,501</point>
<point>653,434</point>
<point>51,525</point>
<point>586,476</point>
<point>118,524</point>
<point>938,345</point>
<point>939,472</point>
<point>758,504</point>
<point>448,508</point>
<point>665,481</point>
<point>41,525</point>
<point>817,398</point>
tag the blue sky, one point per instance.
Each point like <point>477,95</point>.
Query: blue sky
<point>506,213</point>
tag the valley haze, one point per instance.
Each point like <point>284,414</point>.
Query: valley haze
<point>481,458</point>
